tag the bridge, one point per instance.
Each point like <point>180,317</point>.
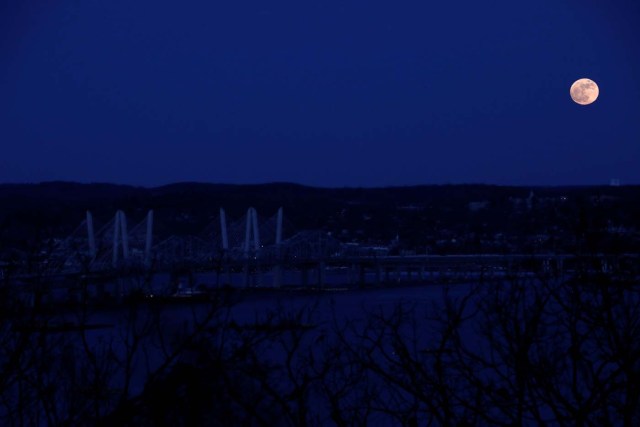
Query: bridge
<point>116,246</point>
<point>263,250</point>
<point>118,249</point>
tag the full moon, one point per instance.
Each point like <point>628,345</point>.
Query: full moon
<point>584,91</point>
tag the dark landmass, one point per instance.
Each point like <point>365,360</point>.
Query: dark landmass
<point>418,219</point>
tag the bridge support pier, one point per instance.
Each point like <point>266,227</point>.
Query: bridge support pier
<point>224,271</point>
<point>321,274</point>
<point>245,274</point>
<point>560,266</point>
<point>277,275</point>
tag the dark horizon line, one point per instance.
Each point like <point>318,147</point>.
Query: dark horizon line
<point>294,184</point>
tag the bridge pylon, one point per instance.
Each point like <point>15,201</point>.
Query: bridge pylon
<point>277,269</point>
<point>251,230</point>
<point>120,238</point>
<point>148,239</point>
<point>223,231</point>
<point>91,237</point>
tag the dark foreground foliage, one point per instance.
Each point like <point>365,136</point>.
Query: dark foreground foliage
<point>528,351</point>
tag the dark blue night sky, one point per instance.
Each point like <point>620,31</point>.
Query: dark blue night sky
<point>329,93</point>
